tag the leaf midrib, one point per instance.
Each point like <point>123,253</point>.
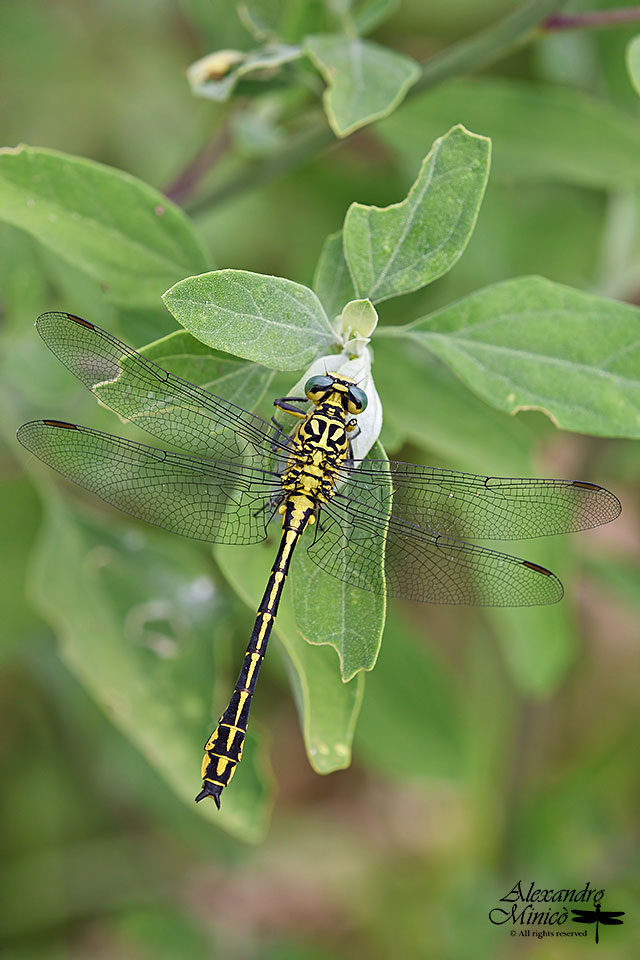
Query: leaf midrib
<point>319,333</point>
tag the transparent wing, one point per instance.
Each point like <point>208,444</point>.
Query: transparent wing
<point>362,545</point>
<point>216,501</point>
<point>466,505</point>
<point>171,409</point>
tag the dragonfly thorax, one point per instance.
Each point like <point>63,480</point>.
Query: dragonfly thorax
<point>319,448</point>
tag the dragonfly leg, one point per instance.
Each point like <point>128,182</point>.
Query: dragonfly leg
<point>275,444</point>
<point>287,405</point>
<point>353,433</point>
<point>271,505</point>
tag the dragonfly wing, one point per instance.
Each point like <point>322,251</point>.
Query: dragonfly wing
<point>585,916</point>
<point>364,546</point>
<point>171,409</point>
<point>206,500</point>
<point>608,917</point>
<point>476,507</point>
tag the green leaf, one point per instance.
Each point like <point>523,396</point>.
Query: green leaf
<point>273,321</point>
<point>369,14</point>
<point>529,344</point>
<point>329,611</point>
<point>239,381</point>
<point>332,281</point>
<point>134,613</point>
<point>405,246</point>
<point>551,229</point>
<point>633,62</point>
<point>121,232</point>
<point>539,133</point>
<point>216,75</point>
<point>287,20</point>
<point>19,518</point>
<point>328,708</point>
<point>445,417</point>
<point>73,286</point>
<point>410,719</point>
<point>364,80</point>
<point>22,280</point>
<point>139,327</point>
<point>358,320</point>
<point>291,20</point>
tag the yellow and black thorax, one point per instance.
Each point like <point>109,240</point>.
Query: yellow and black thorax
<point>319,447</point>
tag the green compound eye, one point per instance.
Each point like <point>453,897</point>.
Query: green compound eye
<point>315,386</point>
<point>357,400</point>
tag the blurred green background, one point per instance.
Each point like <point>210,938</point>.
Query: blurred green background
<point>490,748</point>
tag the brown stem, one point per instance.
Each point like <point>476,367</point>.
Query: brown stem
<point>252,174</point>
<point>594,19</point>
<point>186,183</point>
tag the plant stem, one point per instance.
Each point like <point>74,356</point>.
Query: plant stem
<point>596,18</point>
<point>486,47</point>
<point>465,56</point>
<point>186,183</point>
<point>298,151</point>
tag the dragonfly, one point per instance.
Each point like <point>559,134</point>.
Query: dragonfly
<point>384,526</point>
<point>597,916</point>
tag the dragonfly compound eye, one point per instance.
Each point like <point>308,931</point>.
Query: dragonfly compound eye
<point>316,387</point>
<point>357,400</point>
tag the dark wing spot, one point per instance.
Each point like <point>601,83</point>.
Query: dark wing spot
<point>60,423</point>
<point>537,568</point>
<point>84,323</point>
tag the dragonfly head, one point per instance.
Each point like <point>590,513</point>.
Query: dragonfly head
<point>342,390</point>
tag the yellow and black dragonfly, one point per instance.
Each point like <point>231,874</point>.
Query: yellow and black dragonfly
<point>384,526</point>
<point>606,917</point>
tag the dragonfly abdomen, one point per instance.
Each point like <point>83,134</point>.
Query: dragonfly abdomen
<point>223,749</point>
